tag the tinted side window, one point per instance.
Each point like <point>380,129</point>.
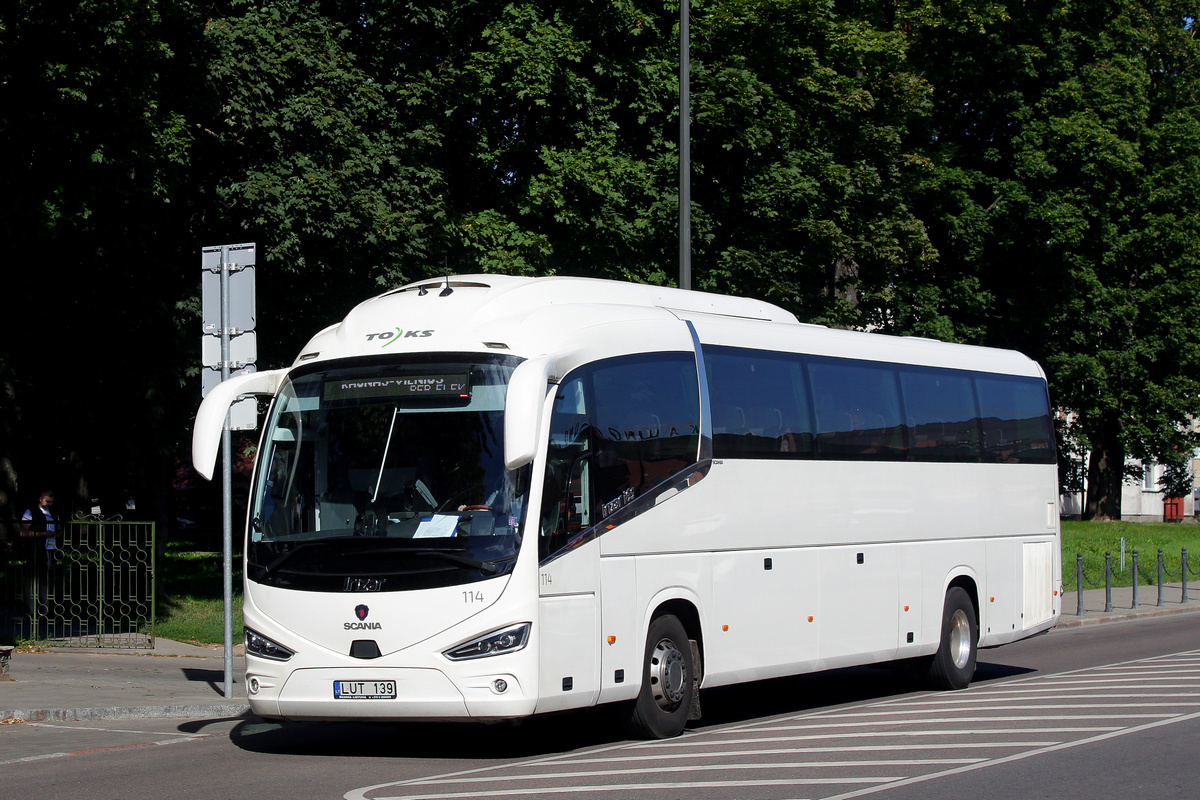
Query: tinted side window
<point>566,501</point>
<point>759,404</point>
<point>1016,420</point>
<point>943,419</point>
<point>856,409</point>
<point>645,424</point>
<point>619,428</point>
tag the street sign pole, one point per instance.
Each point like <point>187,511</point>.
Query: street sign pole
<point>228,312</point>
<point>226,483</point>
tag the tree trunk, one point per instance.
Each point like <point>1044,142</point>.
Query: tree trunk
<point>843,281</point>
<point>1106,474</point>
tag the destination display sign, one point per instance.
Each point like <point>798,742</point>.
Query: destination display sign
<point>406,386</point>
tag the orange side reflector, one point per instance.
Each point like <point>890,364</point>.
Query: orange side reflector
<point>810,619</point>
<point>612,640</point>
<point>906,608</point>
<point>724,627</point>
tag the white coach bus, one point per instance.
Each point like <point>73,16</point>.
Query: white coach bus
<point>488,497</point>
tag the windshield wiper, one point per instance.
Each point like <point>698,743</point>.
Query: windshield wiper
<point>454,557</point>
<point>283,557</point>
<point>490,567</point>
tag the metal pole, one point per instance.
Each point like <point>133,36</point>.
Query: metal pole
<point>1183,574</point>
<point>1135,579</point>
<point>685,148</point>
<point>1160,576</point>
<point>100,579</point>
<point>1079,582</point>
<point>1108,580</point>
<point>226,483</point>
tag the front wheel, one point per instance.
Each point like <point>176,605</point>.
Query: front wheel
<point>953,665</point>
<point>668,681</point>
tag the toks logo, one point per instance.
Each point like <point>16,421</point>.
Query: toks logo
<point>361,612</point>
<point>391,337</point>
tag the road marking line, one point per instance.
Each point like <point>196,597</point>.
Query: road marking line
<point>874,723</point>
<point>89,750</point>
<point>1083,685</point>
<point>783,751</point>
<point>115,730</point>
<point>628,787</point>
<point>1016,757</point>
<point>901,734</point>
<point>531,776</point>
<point>993,701</point>
<point>698,737</point>
<point>42,757</point>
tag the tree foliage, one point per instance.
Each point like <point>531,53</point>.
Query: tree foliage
<point>1013,174</point>
<point>1068,144</point>
<point>98,191</point>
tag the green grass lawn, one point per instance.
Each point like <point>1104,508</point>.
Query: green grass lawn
<point>192,609</point>
<point>1093,539</point>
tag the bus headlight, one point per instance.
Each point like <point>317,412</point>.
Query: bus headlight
<point>261,646</point>
<point>508,640</point>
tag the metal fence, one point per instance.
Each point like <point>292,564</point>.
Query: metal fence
<point>94,589</point>
<point>1139,577</point>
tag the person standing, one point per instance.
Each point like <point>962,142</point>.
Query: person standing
<point>40,527</point>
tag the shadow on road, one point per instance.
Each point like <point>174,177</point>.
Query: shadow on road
<point>213,677</point>
<point>560,733</point>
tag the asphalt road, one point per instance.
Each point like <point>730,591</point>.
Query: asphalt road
<point>1106,711</point>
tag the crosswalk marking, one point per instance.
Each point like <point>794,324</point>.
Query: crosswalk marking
<point>837,754</point>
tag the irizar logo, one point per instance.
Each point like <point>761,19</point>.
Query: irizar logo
<point>361,612</point>
<point>391,337</point>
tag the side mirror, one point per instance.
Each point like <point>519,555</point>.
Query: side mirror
<point>210,419</point>
<point>523,404</point>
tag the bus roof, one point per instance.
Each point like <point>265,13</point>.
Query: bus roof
<point>526,317</point>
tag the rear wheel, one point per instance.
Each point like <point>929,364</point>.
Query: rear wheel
<point>668,681</point>
<point>953,665</point>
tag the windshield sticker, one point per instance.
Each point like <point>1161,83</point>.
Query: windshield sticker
<point>439,526</point>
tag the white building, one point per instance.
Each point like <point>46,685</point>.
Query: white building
<point>1141,501</point>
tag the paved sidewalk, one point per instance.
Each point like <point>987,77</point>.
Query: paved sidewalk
<point>172,680</point>
<point>182,680</point>
<point>1095,602</point>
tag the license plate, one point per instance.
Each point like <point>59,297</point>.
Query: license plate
<point>364,690</point>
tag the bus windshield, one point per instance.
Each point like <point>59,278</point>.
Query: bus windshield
<point>387,476</point>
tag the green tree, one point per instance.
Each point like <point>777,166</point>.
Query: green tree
<point>1068,182</point>
<point>801,109</point>
<point>540,137</point>
<point>95,176</point>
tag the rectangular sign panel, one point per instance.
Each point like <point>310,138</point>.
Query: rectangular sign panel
<point>242,301</point>
<point>243,344</point>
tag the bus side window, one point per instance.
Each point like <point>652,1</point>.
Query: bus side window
<point>943,420</point>
<point>619,428</point>
<point>857,410</point>
<point>568,449</point>
<point>1016,420</point>
<point>759,404</point>
<point>646,423</point>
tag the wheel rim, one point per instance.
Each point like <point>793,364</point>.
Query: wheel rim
<point>668,674</point>
<point>960,639</point>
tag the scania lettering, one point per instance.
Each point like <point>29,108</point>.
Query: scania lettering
<point>584,492</point>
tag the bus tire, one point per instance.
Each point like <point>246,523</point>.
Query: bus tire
<point>662,706</point>
<point>953,665</point>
